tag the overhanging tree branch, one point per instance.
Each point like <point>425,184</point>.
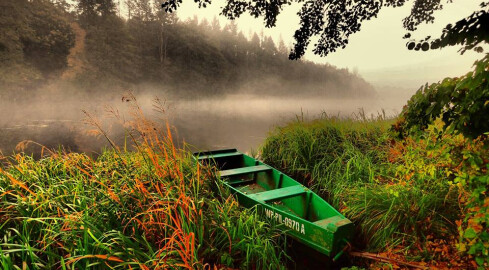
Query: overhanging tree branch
<point>333,21</point>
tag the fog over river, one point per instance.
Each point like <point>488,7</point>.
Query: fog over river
<point>233,121</point>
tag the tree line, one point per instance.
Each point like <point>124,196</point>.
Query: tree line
<point>141,44</point>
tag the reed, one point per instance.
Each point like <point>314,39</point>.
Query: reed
<point>330,153</point>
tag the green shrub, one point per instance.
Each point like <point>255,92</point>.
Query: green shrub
<point>462,103</point>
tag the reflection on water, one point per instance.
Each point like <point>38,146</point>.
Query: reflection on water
<point>243,122</point>
<point>234,121</point>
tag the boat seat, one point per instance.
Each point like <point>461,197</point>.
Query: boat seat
<point>332,223</point>
<point>220,155</point>
<point>245,170</point>
<point>240,182</point>
<point>280,193</point>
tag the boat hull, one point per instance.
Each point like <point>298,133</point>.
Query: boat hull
<point>282,200</point>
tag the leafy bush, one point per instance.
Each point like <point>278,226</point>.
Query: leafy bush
<point>463,106</point>
<point>472,173</point>
<point>462,103</point>
<point>417,197</point>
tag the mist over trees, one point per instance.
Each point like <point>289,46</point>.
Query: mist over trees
<point>96,46</point>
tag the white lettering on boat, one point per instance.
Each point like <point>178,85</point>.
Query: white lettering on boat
<point>290,223</point>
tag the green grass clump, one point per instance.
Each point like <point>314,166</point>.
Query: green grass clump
<point>400,215</point>
<point>328,154</point>
<point>154,208</point>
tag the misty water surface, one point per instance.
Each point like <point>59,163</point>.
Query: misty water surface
<point>234,121</point>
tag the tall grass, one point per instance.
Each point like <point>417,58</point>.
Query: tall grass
<point>329,154</point>
<point>396,192</point>
<point>153,208</point>
<point>401,215</point>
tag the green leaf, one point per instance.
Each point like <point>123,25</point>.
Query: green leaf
<point>470,233</point>
<point>472,250</point>
<point>479,260</point>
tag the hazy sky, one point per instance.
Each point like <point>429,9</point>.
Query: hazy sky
<point>378,51</point>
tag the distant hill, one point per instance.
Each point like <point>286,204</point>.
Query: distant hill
<point>93,50</point>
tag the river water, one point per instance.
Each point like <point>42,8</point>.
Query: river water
<point>233,121</point>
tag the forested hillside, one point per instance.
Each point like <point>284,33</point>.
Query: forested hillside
<point>95,46</point>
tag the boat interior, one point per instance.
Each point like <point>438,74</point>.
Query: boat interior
<point>263,183</point>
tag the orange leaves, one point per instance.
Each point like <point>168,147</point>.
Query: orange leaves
<point>112,195</point>
<point>394,154</point>
<point>486,202</point>
<point>458,222</point>
<point>408,176</point>
<point>475,225</point>
<point>140,187</point>
<point>443,255</point>
<point>168,209</point>
<point>184,244</point>
<point>164,209</point>
<point>16,182</point>
<point>102,257</point>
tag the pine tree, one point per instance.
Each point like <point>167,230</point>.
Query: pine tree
<point>269,46</point>
<point>215,24</point>
<point>282,49</point>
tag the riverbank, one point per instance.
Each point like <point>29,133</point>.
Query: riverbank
<point>410,197</point>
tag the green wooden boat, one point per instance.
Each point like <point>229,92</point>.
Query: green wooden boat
<point>306,216</point>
